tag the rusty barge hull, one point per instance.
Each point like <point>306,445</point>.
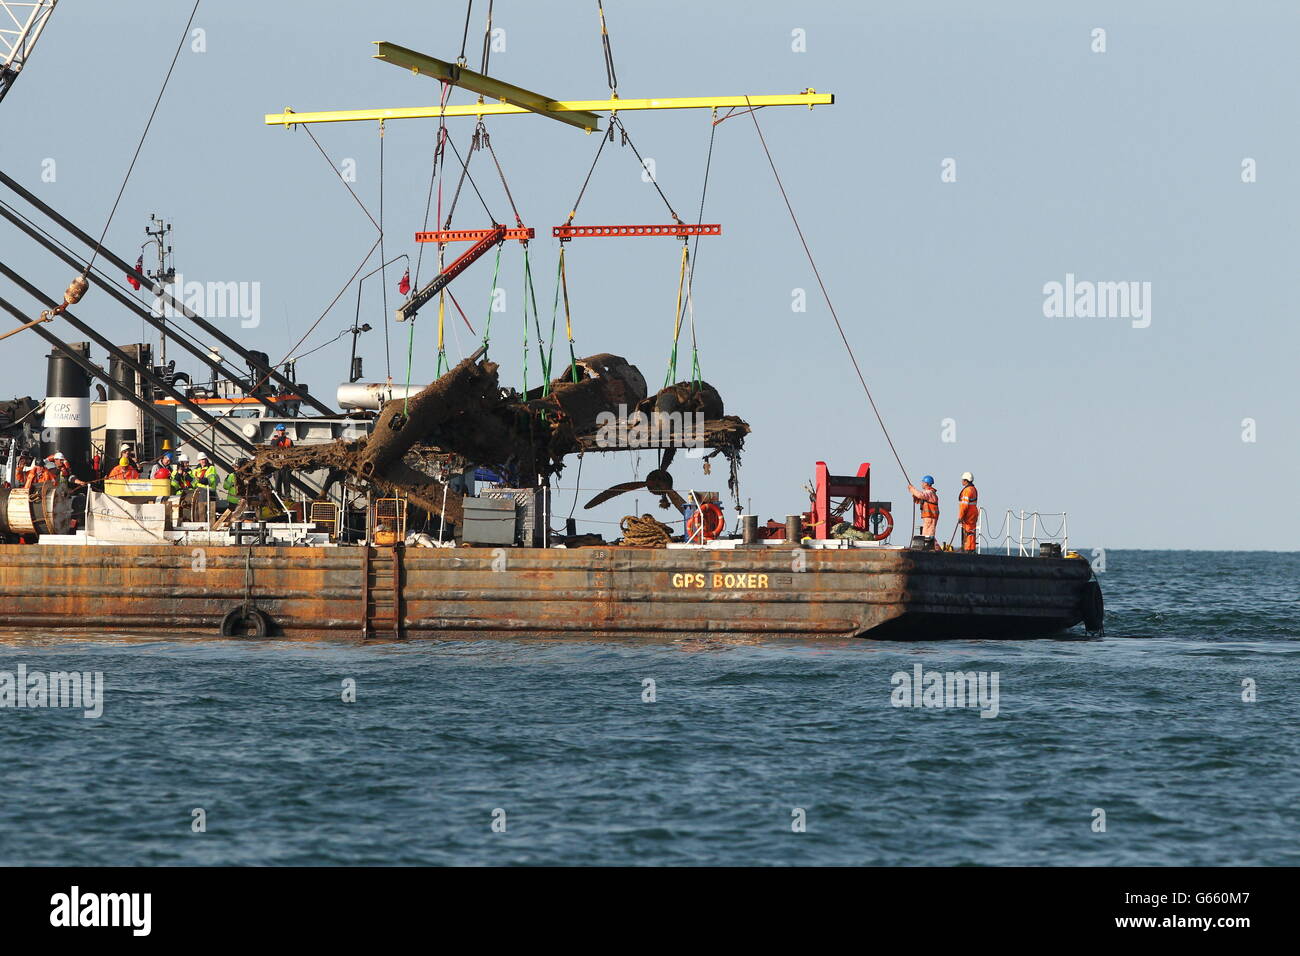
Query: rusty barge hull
<point>357,593</point>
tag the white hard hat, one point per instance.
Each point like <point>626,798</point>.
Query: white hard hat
<point>184,458</point>
<point>967,476</point>
<point>57,456</point>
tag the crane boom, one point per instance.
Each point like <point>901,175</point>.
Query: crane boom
<point>21,23</point>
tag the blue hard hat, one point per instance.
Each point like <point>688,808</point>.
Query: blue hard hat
<point>279,428</point>
<point>927,479</point>
<point>167,456</point>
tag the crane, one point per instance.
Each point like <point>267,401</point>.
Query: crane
<point>21,23</point>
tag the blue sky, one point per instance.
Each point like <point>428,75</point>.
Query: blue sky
<point>1116,166</point>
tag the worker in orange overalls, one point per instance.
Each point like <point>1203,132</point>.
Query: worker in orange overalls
<point>968,511</point>
<point>20,471</point>
<point>928,499</point>
<point>124,470</point>
<point>41,473</point>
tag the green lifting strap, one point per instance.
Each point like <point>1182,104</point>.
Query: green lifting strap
<point>530,295</point>
<point>410,350</point>
<point>496,273</point>
<point>525,295</point>
<point>671,377</point>
<point>696,379</point>
<point>555,312</point>
<point>561,282</point>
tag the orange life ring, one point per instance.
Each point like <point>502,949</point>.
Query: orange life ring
<point>889,522</point>
<point>712,518</point>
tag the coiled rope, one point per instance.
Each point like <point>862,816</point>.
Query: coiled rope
<point>645,532</point>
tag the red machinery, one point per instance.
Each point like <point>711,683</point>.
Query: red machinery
<point>866,516</point>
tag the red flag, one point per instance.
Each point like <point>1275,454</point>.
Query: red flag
<point>404,286</point>
<point>139,267</point>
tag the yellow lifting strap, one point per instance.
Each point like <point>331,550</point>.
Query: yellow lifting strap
<point>564,286</point>
<point>442,315</point>
<point>677,317</point>
<point>681,286</point>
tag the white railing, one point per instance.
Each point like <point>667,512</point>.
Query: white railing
<point>1013,531</point>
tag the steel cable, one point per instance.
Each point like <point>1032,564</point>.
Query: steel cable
<point>140,145</point>
<point>826,295</point>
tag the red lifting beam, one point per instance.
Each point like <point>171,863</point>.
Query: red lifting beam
<point>471,235</point>
<point>678,229</point>
<point>440,282</point>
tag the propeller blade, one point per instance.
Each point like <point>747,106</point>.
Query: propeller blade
<point>658,481</point>
<point>678,501</point>
<point>613,492</point>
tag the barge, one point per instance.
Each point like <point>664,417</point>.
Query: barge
<point>366,524</point>
<point>366,593</point>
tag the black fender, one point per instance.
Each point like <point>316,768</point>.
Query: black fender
<point>1092,607</point>
<point>245,622</point>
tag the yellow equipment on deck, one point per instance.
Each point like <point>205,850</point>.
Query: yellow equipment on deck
<point>138,489</point>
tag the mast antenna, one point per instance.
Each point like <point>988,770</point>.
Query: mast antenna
<point>159,233</point>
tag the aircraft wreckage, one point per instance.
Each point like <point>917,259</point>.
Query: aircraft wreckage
<point>602,404</point>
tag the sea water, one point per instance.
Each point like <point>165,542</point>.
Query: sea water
<point>1172,739</point>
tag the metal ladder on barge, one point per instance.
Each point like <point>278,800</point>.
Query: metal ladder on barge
<point>381,592</point>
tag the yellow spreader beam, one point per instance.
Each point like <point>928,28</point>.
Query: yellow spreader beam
<point>467,79</point>
<point>513,99</point>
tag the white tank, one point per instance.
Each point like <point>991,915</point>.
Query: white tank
<point>371,395</point>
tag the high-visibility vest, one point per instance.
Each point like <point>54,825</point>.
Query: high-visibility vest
<point>969,495</point>
<point>205,475</point>
<point>284,441</point>
<point>930,509</point>
<point>232,490</point>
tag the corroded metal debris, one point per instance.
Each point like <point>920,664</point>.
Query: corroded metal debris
<point>467,413</point>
